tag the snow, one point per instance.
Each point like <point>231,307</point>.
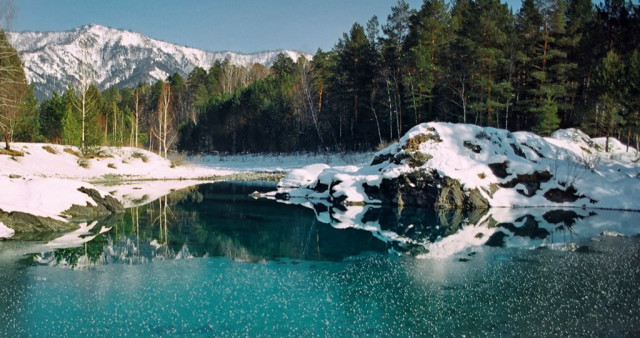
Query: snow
<point>462,241</point>
<point>607,180</point>
<point>42,197</point>
<point>34,183</point>
<point>302,176</point>
<point>6,232</point>
<point>52,58</point>
<point>123,163</point>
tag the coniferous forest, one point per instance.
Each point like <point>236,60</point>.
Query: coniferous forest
<point>552,64</point>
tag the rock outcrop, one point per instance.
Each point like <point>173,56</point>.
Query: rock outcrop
<point>461,166</point>
<point>105,205</point>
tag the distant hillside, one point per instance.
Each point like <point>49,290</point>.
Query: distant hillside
<point>116,58</point>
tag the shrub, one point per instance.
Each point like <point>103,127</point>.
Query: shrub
<point>141,156</point>
<point>72,152</point>
<point>11,152</point>
<point>83,162</point>
<point>414,142</point>
<point>418,159</point>
<point>176,161</point>
<point>50,149</point>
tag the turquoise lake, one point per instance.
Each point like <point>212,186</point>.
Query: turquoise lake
<point>213,261</point>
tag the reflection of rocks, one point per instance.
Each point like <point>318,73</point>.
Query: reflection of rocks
<point>28,226</point>
<point>568,217</point>
<point>104,206</point>
<point>441,233</point>
<point>421,225</point>
<point>426,189</point>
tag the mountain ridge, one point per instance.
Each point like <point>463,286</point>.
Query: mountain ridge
<point>116,57</point>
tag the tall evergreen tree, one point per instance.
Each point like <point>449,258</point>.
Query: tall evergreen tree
<point>427,42</point>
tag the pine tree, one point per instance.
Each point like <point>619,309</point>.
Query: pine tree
<point>548,120</point>
<point>428,41</point>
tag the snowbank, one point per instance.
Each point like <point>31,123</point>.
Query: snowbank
<point>44,197</point>
<point>6,232</point>
<point>489,166</point>
<point>108,163</point>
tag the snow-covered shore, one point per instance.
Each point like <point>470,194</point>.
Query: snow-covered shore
<point>44,181</point>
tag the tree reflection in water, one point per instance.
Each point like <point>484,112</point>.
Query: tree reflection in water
<point>222,220</point>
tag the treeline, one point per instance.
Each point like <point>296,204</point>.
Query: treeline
<point>553,64</point>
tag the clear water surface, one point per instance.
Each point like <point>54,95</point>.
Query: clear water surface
<point>212,261</point>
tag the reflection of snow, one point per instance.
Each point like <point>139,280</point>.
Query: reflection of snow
<point>514,228</point>
<point>74,238</point>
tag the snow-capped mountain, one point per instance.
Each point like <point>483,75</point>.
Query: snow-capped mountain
<point>114,57</point>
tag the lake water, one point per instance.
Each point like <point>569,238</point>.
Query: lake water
<point>212,261</point>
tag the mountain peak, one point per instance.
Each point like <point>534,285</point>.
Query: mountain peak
<point>116,57</point>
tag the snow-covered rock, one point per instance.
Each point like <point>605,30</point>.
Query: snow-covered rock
<point>444,165</point>
<point>115,57</point>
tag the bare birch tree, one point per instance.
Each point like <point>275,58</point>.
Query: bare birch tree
<point>85,79</point>
<point>165,132</point>
<point>13,83</point>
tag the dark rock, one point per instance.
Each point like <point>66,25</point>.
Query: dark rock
<point>534,150</point>
<point>530,228</point>
<point>104,206</point>
<point>518,151</point>
<point>472,146</point>
<point>531,182</point>
<point>320,187</point>
<point>499,169</point>
<point>426,189</point>
<point>382,158</point>
<point>558,195</point>
<point>320,208</point>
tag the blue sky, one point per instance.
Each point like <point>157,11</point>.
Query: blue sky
<point>240,25</point>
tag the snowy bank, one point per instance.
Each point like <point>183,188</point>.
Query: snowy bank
<point>104,163</point>
<point>43,185</point>
<point>443,165</point>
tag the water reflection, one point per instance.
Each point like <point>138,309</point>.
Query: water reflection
<point>443,233</point>
<point>219,220</point>
<point>223,220</point>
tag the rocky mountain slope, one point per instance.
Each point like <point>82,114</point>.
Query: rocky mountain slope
<point>115,57</point>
